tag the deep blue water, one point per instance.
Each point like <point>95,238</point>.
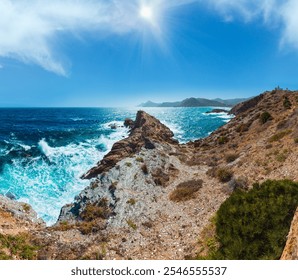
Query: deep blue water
<point>44,151</point>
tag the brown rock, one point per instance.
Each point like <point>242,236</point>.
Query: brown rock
<point>291,250</point>
<point>146,131</point>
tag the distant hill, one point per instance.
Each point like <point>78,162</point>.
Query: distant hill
<point>197,102</point>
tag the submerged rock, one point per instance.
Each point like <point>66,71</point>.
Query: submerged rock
<point>216,111</point>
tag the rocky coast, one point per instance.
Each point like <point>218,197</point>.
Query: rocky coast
<point>153,198</point>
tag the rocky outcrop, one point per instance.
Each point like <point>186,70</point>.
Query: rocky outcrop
<point>16,217</point>
<point>246,105</point>
<point>291,250</point>
<point>145,132</point>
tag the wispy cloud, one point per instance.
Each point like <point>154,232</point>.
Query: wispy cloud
<point>30,29</point>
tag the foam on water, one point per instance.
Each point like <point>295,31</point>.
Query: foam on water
<point>51,180</point>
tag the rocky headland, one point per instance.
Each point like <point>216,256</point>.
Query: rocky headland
<point>153,198</point>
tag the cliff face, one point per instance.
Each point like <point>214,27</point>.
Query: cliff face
<point>291,249</point>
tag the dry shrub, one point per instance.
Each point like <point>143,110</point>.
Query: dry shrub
<point>186,190</point>
<point>224,175</point>
<point>231,157</point>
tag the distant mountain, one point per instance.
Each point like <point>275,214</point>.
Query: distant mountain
<point>231,102</point>
<point>149,104</point>
<point>200,102</point>
<point>197,102</point>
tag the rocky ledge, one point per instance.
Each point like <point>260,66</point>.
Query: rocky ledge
<point>145,131</point>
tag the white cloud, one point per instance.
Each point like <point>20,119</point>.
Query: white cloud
<point>30,29</point>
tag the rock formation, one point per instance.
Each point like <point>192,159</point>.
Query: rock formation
<point>291,249</point>
<point>144,132</point>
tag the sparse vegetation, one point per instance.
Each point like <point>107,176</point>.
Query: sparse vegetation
<point>208,243</point>
<point>128,164</point>
<point>186,190</point>
<point>254,225</point>
<point>131,224</point>
<point>243,127</point>
<point>131,201</point>
<point>287,103</point>
<point>26,207</point>
<point>18,247</point>
<point>222,140</point>
<point>224,175</point>
<point>231,157</point>
<point>96,210</point>
<point>278,136</point>
<point>265,117</point>
<point>139,159</point>
<point>281,156</point>
<point>296,140</point>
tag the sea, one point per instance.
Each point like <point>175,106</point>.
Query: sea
<point>45,151</point>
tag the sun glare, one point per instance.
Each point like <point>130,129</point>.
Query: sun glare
<point>146,12</point>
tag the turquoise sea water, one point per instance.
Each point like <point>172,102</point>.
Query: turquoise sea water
<point>44,151</point>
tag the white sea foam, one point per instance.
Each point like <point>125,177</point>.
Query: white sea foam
<point>49,184</point>
<point>25,147</point>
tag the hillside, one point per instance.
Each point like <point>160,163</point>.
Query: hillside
<point>153,198</point>
<point>196,102</point>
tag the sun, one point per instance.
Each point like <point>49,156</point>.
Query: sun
<point>146,12</point>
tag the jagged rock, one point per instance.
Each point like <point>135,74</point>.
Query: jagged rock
<point>129,123</point>
<point>113,126</point>
<point>291,250</point>
<point>146,131</point>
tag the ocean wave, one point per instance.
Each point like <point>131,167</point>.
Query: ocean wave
<point>52,179</point>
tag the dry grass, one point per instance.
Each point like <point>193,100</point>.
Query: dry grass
<point>186,190</point>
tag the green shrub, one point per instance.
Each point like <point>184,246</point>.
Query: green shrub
<point>254,225</point>
<point>132,224</point>
<point>278,136</point>
<point>287,103</point>
<point>131,201</point>
<point>265,117</point>
<point>231,157</point>
<point>18,246</point>
<point>139,159</point>
<point>222,140</point>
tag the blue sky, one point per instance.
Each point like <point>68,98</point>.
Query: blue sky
<point>121,53</point>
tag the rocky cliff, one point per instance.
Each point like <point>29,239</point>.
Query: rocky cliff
<point>291,249</point>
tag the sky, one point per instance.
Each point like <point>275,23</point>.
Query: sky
<point>112,53</point>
